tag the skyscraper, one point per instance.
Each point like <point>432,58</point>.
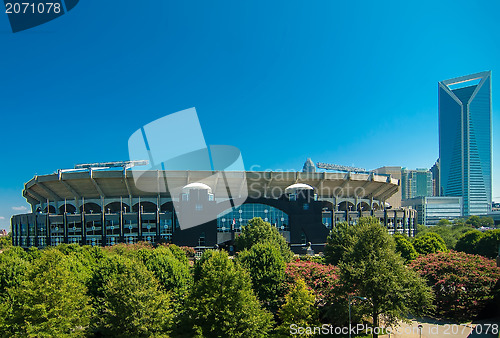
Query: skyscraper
<point>416,183</point>
<point>435,178</point>
<point>465,141</point>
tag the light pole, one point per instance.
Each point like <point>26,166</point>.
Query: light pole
<point>420,326</point>
<point>350,299</point>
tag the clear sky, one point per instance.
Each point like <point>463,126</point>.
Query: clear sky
<point>351,83</point>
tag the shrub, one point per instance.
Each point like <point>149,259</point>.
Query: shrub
<point>462,283</point>
<point>429,243</point>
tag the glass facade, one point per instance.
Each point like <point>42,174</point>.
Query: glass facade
<point>430,210</point>
<point>465,141</point>
<point>416,183</point>
<point>239,216</point>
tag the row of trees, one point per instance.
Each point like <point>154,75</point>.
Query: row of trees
<point>140,291</point>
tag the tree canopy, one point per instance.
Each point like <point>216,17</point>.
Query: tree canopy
<point>371,268</point>
<point>266,266</point>
<point>50,301</point>
<point>258,231</point>
<point>299,309</point>
<point>405,247</point>
<point>222,302</point>
<point>429,243</point>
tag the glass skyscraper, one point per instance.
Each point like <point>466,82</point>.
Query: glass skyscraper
<point>465,141</point>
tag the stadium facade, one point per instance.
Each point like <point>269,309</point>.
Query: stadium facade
<point>104,206</point>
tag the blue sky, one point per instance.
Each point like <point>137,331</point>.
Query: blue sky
<point>352,83</point>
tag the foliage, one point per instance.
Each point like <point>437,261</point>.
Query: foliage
<point>174,275</point>
<point>429,243</point>
<point>299,309</point>
<point>6,241</point>
<point>486,243</point>
<point>371,268</point>
<point>444,221</point>
<point>489,244</point>
<point>131,302</point>
<point>267,269</point>
<point>461,282</point>
<point>450,233</point>
<point>405,247</point>
<point>322,279</point>
<point>13,270</point>
<point>478,222</point>
<point>341,238</point>
<point>469,241</point>
<point>50,301</point>
<point>308,258</point>
<point>221,302</point>
<point>258,231</point>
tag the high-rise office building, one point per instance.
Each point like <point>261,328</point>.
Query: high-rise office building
<point>435,178</point>
<point>416,183</point>
<point>465,141</point>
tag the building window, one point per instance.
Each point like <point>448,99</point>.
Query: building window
<point>239,216</point>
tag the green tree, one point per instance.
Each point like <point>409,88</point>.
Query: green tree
<point>340,239</point>
<point>130,300</point>
<point>49,302</point>
<point>267,269</point>
<point>6,241</point>
<point>468,242</point>
<point>450,233</point>
<point>13,270</point>
<point>299,309</point>
<point>258,231</point>
<point>429,243</point>
<point>372,268</point>
<point>405,248</point>
<point>222,303</point>
<point>489,244</point>
<point>487,222</point>
<point>443,221</point>
<point>474,221</point>
<point>173,274</point>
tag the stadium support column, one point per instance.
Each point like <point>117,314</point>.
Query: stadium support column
<point>84,228</point>
<point>122,238</point>
<point>158,206</point>
<point>139,222</point>
<point>65,222</point>
<point>37,240</point>
<point>103,222</point>
<point>49,230</point>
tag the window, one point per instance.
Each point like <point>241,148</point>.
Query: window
<point>239,216</point>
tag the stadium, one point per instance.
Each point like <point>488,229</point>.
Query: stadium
<point>108,203</point>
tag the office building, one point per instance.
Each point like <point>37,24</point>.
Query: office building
<point>416,183</point>
<point>465,141</point>
<point>430,210</point>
